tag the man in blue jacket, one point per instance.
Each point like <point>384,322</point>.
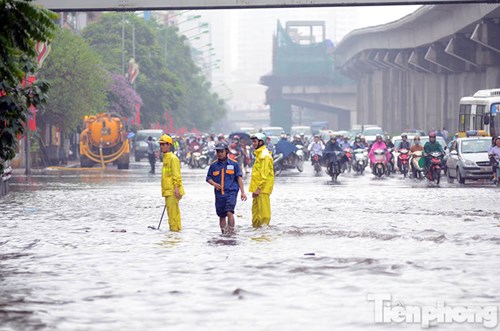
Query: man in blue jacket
<point>225,176</point>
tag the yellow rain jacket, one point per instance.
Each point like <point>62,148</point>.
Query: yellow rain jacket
<point>262,171</point>
<point>171,178</point>
<point>263,178</point>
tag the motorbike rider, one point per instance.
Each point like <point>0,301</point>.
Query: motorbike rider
<point>194,145</point>
<point>331,146</point>
<point>378,144</point>
<point>236,152</point>
<point>432,146</point>
<point>416,147</point>
<point>358,144</point>
<point>269,145</point>
<point>303,139</point>
<point>404,144</point>
<point>297,141</point>
<point>390,147</point>
<point>494,154</point>
<point>287,149</point>
<point>363,141</point>
<point>211,148</point>
<point>344,144</point>
<point>316,148</point>
<point>221,138</point>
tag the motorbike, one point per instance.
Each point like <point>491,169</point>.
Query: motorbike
<point>433,171</point>
<point>497,163</point>
<point>380,163</point>
<point>348,164</point>
<point>360,160</point>
<point>389,169</point>
<point>198,159</point>
<point>316,158</point>
<point>416,169</point>
<point>288,157</point>
<point>333,160</point>
<point>403,161</point>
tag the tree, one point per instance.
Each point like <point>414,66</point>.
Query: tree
<point>79,84</point>
<point>199,107</point>
<point>169,79</point>
<point>158,87</point>
<point>22,25</point>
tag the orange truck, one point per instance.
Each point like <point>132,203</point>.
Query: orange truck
<point>104,140</point>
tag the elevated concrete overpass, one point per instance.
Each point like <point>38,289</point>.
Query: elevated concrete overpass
<point>412,73</point>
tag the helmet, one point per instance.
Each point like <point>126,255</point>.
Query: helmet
<point>416,138</point>
<point>404,136</point>
<point>221,146</point>
<point>378,136</point>
<point>259,136</point>
<point>432,134</point>
<point>236,137</point>
<point>165,139</point>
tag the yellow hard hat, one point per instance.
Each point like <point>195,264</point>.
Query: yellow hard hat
<point>165,138</point>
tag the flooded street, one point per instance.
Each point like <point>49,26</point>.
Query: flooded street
<point>76,253</point>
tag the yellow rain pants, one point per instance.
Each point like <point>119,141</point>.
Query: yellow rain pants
<point>261,210</point>
<point>174,213</point>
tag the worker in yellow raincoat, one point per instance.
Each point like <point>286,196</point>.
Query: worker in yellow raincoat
<point>262,182</point>
<point>171,183</point>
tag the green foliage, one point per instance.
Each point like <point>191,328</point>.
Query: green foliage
<point>158,87</point>
<point>169,80</point>
<point>22,25</point>
<point>79,84</point>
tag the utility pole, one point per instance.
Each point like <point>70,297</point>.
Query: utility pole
<point>123,43</point>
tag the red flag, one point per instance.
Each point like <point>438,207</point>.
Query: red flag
<point>32,119</point>
<point>138,113</point>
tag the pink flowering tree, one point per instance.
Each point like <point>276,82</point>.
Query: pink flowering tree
<point>122,97</point>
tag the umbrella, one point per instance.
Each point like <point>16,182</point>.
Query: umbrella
<point>243,136</point>
<point>285,147</point>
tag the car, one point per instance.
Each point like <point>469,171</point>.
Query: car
<point>415,132</point>
<point>371,133</point>
<point>326,134</point>
<point>140,145</point>
<point>273,130</point>
<point>306,130</point>
<point>468,160</point>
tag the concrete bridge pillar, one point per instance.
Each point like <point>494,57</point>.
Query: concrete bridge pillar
<point>281,114</point>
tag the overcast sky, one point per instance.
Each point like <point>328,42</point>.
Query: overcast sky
<point>376,15</point>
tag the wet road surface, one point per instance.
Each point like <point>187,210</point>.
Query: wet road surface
<point>76,253</point>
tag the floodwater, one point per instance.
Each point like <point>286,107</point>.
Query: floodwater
<point>76,253</point>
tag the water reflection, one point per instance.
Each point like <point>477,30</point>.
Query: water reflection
<point>76,254</point>
<point>171,240</point>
